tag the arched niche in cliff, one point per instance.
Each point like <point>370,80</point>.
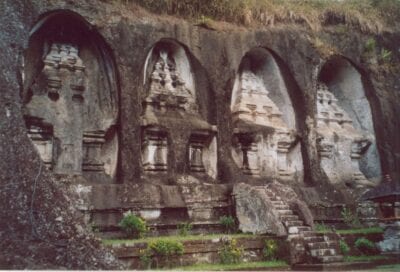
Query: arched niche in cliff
<point>265,131</point>
<point>176,96</point>
<point>344,83</point>
<point>70,95</point>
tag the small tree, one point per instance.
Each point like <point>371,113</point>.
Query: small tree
<point>365,246</point>
<point>133,226</point>
<point>230,252</point>
<point>228,223</point>
<point>270,250</point>
<point>344,247</point>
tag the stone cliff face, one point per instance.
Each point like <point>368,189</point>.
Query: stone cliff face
<point>39,224</point>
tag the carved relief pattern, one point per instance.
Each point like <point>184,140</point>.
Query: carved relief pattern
<point>77,150</point>
<point>336,132</point>
<point>167,88</point>
<point>154,150</point>
<point>254,107</point>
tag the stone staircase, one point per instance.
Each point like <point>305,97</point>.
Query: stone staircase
<point>319,247</point>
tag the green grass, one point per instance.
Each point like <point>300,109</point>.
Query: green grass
<point>388,267</point>
<point>173,238</point>
<point>239,266</point>
<point>364,258</point>
<point>370,230</point>
<point>365,14</point>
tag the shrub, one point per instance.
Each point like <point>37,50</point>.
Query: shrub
<point>386,55</point>
<point>366,246</point>
<point>350,219</point>
<point>344,247</point>
<point>230,253</point>
<point>133,226</point>
<point>165,247</point>
<point>270,250</point>
<point>162,248</point>
<point>184,228</point>
<point>370,45</point>
<point>228,223</point>
<point>145,258</point>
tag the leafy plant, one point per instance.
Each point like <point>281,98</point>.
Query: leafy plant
<point>270,250</point>
<point>344,247</point>
<point>370,45</point>
<point>230,252</point>
<point>205,22</point>
<point>386,55</point>
<point>94,228</point>
<point>164,247</point>
<point>350,219</point>
<point>145,258</point>
<point>228,223</point>
<point>133,226</point>
<point>184,228</point>
<point>322,227</point>
<point>366,246</point>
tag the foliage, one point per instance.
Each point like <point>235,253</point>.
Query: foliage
<point>270,250</point>
<point>369,230</point>
<point>322,227</point>
<point>370,45</point>
<point>133,226</point>
<point>386,55</point>
<point>363,14</point>
<point>344,247</point>
<point>94,228</point>
<point>248,266</point>
<point>228,223</point>
<point>145,258</point>
<point>175,238</point>
<point>230,252</point>
<point>325,49</point>
<point>364,258</point>
<point>366,246</point>
<point>164,247</point>
<point>350,219</point>
<point>184,228</point>
<point>206,22</point>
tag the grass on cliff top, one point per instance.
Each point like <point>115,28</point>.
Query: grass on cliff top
<point>370,230</point>
<point>367,15</point>
<point>364,258</point>
<point>240,266</point>
<point>174,238</point>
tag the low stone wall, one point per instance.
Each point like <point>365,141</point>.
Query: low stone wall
<point>195,251</point>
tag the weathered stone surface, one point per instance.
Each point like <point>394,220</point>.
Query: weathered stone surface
<point>391,238</point>
<point>265,138</point>
<point>254,211</point>
<point>289,196</point>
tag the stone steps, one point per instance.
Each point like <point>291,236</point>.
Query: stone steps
<point>323,252</point>
<point>293,223</point>
<point>322,249</point>
<point>278,202</point>
<point>288,217</point>
<point>298,229</point>
<point>285,212</point>
<point>330,259</point>
<point>322,245</point>
<point>314,239</point>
